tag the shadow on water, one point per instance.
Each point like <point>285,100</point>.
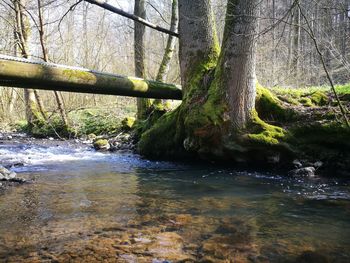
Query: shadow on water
<point>96,207</point>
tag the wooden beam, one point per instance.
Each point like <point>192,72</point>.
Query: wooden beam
<point>23,73</point>
<point>105,5</point>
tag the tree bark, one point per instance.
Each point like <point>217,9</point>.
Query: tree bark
<point>236,69</point>
<point>198,39</point>
<point>143,105</point>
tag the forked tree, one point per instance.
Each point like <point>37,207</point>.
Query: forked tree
<point>219,85</point>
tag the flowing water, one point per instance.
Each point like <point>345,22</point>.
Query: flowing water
<point>85,206</point>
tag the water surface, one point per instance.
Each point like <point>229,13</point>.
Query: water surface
<point>84,206</point>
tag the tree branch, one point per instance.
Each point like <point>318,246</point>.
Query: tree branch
<point>105,5</point>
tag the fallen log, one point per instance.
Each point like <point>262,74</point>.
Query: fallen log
<point>23,73</point>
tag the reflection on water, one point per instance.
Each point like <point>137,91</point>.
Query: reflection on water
<point>92,207</point>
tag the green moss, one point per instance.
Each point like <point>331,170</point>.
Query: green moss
<point>139,84</point>
<point>162,140</point>
<point>343,89</point>
<point>270,107</point>
<point>128,123</point>
<point>53,127</point>
<point>319,98</point>
<point>306,102</point>
<point>79,74</point>
<point>95,121</point>
<point>288,99</point>
<point>264,133</point>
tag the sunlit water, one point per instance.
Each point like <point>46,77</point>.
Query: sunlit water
<point>84,206</point>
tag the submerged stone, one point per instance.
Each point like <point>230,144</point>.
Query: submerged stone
<point>303,172</point>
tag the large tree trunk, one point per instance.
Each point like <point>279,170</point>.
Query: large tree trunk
<point>139,47</point>
<point>216,118</point>
<point>236,69</point>
<point>198,40</point>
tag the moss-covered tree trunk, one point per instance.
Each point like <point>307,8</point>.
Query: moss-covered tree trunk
<point>34,110</point>
<point>217,117</point>
<point>139,47</point>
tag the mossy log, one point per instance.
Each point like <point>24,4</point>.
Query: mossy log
<point>28,74</point>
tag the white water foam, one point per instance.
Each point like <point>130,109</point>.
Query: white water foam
<point>39,155</point>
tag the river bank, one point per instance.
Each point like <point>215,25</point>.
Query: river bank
<point>299,134</point>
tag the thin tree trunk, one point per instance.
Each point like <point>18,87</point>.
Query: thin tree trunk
<point>143,105</point>
<point>13,95</point>
<point>23,31</point>
<point>170,48</point>
<point>274,51</point>
<point>46,59</point>
<point>296,46</point>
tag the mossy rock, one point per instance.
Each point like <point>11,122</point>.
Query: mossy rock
<point>101,145</point>
<point>128,123</point>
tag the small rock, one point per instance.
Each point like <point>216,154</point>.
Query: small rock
<point>91,137</point>
<point>101,145</point>
<point>303,172</point>
<point>51,139</point>
<point>273,159</point>
<point>318,164</point>
<point>297,164</point>
<point>6,175</point>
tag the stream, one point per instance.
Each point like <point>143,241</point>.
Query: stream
<point>80,205</point>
